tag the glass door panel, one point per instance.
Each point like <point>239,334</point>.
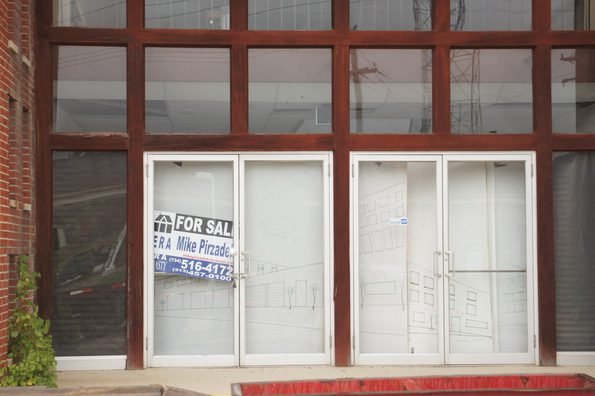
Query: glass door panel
<point>193,239</point>
<point>443,258</point>
<point>398,298</point>
<point>486,261</point>
<point>285,255</point>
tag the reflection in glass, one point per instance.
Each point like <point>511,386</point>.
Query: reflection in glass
<point>290,14</point>
<point>398,291</point>
<point>488,312</point>
<point>89,262</point>
<point>290,90</point>
<point>187,90</point>
<point>573,90</point>
<point>284,235</point>
<point>391,91</point>
<point>491,91</point>
<point>574,233</point>
<point>194,316</point>
<point>90,90</point>
<point>573,14</point>
<point>487,235</point>
<point>390,14</point>
<point>90,13</point>
<point>187,14</point>
<point>482,15</point>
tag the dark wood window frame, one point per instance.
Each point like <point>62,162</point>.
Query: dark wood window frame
<point>541,39</point>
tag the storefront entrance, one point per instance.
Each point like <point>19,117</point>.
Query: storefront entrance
<point>443,259</point>
<point>238,259</point>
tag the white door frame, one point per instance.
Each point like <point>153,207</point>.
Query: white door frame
<point>152,360</point>
<point>292,359</point>
<point>239,357</point>
<point>444,356</point>
<point>529,357</point>
<point>371,359</point>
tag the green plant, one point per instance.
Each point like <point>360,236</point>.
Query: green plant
<point>30,350</point>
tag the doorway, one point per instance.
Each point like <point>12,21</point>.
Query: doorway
<point>238,259</point>
<point>443,258</point>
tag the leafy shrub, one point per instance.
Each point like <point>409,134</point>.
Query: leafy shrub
<point>30,350</point>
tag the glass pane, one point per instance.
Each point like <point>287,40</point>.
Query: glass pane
<point>491,91</point>
<point>398,290</point>
<point>90,90</point>
<point>187,90</point>
<point>187,14</point>
<point>487,270</point>
<point>290,90</point>
<point>89,261</point>
<point>289,14</point>
<point>90,13</point>
<point>194,314</point>
<point>390,14</point>
<point>284,235</point>
<point>573,90</point>
<point>574,232</point>
<point>488,312</point>
<point>482,15</point>
<point>573,14</point>
<point>391,91</point>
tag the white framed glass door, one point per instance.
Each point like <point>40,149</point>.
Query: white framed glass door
<point>192,320</point>
<point>286,227</point>
<point>238,259</point>
<point>443,258</point>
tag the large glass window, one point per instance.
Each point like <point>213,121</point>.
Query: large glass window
<point>90,13</point>
<point>90,89</point>
<point>491,91</point>
<point>187,14</point>
<point>89,265</point>
<point>290,90</point>
<point>390,14</point>
<point>573,90</point>
<point>290,14</point>
<point>490,15</point>
<point>574,231</point>
<point>573,14</point>
<point>391,91</point>
<point>187,90</point>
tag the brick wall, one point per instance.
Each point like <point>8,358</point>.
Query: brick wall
<point>16,148</point>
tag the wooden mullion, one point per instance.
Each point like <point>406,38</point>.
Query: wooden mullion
<point>444,142</point>
<point>235,142</point>
<point>546,281</point>
<point>341,238</point>
<point>239,90</point>
<point>43,177</point>
<point>88,141</point>
<point>542,121</point>
<point>239,15</point>
<point>441,90</point>
<point>135,215</point>
<point>542,15</point>
<point>542,92</point>
<point>135,14</point>
<point>573,142</point>
<point>441,15</point>
<point>44,11</point>
<point>85,36</point>
<point>341,16</point>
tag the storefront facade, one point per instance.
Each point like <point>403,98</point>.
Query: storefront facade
<point>236,183</point>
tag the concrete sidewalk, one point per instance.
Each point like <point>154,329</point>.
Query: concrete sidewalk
<point>217,381</point>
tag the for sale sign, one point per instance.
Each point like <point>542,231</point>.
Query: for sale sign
<point>194,246</point>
